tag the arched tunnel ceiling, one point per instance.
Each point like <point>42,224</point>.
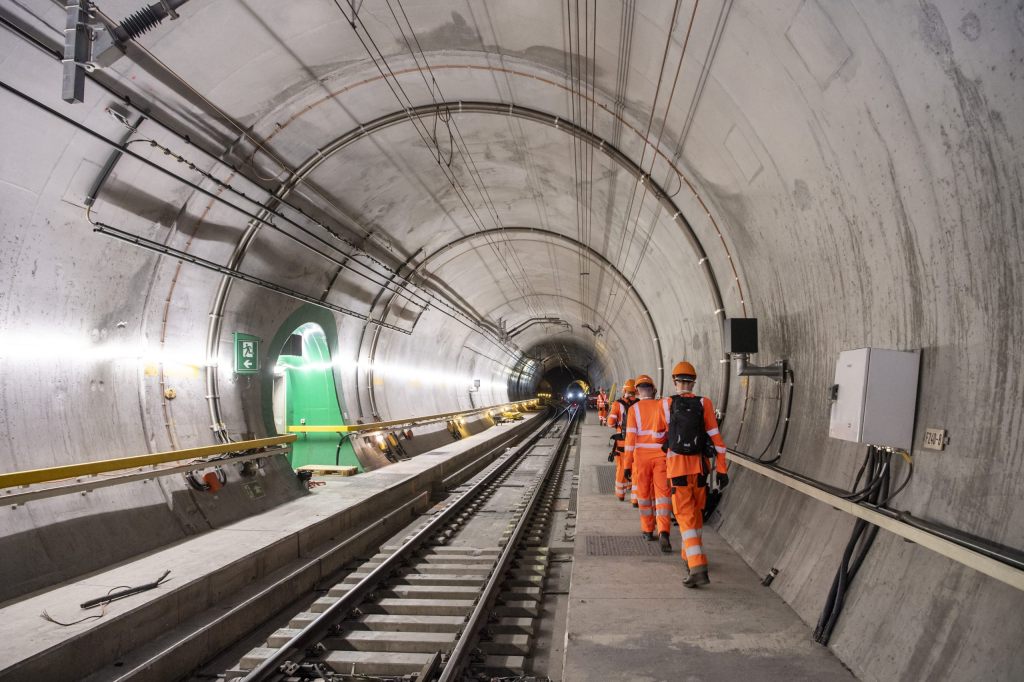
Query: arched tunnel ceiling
<point>508,170</point>
<point>552,191</point>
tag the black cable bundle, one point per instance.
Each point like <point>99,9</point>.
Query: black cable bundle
<point>875,491</point>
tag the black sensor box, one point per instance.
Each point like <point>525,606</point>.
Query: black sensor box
<point>740,334</point>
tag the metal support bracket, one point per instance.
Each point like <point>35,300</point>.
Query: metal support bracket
<point>76,50</point>
<point>776,370</point>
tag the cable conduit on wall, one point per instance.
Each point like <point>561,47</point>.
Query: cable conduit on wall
<point>1002,563</point>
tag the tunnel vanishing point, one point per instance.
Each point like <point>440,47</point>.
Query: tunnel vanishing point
<point>456,204</point>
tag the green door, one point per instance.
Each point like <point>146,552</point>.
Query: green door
<point>311,399</point>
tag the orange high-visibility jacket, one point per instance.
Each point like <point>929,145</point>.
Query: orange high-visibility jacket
<point>617,415</point>
<point>687,465</point>
<point>646,429</point>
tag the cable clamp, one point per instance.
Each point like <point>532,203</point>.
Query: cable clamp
<point>702,261</point>
<point>88,66</point>
<point>719,310</point>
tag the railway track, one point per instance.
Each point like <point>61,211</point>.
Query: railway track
<point>456,596</point>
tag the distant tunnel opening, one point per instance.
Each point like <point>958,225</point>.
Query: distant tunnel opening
<point>557,381</point>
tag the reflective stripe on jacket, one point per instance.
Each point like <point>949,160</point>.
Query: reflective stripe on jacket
<point>617,415</point>
<point>646,429</point>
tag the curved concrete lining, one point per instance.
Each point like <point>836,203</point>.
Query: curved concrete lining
<point>849,174</point>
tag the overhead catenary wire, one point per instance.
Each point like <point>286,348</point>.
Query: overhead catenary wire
<point>412,297</point>
<point>473,324</point>
<point>125,150</point>
<point>405,101</point>
<point>163,249</point>
<point>620,260</point>
<point>235,274</point>
<point>645,243</point>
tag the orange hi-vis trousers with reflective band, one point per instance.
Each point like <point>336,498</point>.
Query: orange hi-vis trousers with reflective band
<point>653,493</point>
<point>645,434</point>
<point>688,506</point>
<point>621,484</point>
<point>617,420</point>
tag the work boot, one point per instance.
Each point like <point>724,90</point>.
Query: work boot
<point>648,535</point>
<point>636,505</point>
<point>696,579</point>
<point>666,544</point>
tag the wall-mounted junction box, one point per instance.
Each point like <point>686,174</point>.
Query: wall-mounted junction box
<point>875,397</point>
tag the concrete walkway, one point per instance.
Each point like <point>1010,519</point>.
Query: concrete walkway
<point>630,618</point>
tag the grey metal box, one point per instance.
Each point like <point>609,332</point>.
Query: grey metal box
<point>877,397</point>
<point>740,334</point>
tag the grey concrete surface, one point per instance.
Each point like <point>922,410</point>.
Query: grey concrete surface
<point>851,173</point>
<point>209,570</point>
<point>630,618</point>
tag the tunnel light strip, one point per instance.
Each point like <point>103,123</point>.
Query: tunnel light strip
<point>48,347</point>
<point>951,550</point>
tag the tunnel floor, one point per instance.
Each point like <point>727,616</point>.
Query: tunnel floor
<point>630,618</point>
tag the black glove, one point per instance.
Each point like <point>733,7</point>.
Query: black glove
<point>611,456</point>
<point>723,480</point>
<point>628,473</point>
<point>618,436</point>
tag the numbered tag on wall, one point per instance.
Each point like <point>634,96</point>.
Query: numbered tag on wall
<point>935,439</point>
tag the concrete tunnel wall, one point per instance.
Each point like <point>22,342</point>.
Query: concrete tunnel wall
<point>851,171</point>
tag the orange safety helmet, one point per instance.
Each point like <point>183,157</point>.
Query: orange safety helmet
<point>685,370</point>
<point>628,386</point>
<point>644,379</point>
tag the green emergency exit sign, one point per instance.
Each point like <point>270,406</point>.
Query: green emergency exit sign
<point>247,353</point>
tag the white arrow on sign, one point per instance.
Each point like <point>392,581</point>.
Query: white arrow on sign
<point>247,364</point>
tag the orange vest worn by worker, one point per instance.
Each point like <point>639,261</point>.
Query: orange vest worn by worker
<point>687,470</point>
<point>646,431</point>
<point>617,420</point>
<point>602,406</point>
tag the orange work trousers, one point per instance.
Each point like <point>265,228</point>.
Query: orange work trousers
<point>688,506</point>
<point>621,484</point>
<point>653,494</point>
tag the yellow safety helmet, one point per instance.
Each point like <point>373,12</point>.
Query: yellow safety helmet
<point>685,370</point>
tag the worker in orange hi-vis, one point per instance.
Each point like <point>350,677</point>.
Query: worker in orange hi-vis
<point>646,431</point>
<point>617,420</point>
<point>692,427</point>
<point>602,406</point>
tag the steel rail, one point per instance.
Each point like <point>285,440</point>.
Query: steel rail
<point>271,667</point>
<point>295,575</point>
<point>464,647</point>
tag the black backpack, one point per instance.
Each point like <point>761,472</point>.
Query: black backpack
<point>686,433</point>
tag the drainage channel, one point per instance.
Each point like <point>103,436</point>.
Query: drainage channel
<point>456,596</point>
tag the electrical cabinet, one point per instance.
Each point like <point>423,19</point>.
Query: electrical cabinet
<point>875,397</point>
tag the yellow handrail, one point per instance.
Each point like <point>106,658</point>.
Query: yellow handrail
<point>57,473</point>
<point>380,426</point>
